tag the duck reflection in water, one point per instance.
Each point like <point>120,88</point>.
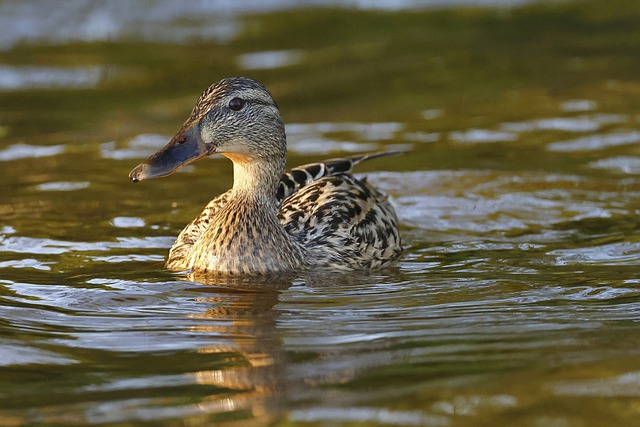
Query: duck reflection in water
<point>257,380</point>
<point>242,324</point>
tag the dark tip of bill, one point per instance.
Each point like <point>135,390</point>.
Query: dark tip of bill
<point>133,176</point>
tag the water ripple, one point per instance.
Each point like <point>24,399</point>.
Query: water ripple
<point>14,78</point>
<point>624,253</point>
<point>588,123</point>
<point>18,244</point>
<point>596,142</point>
<point>24,151</point>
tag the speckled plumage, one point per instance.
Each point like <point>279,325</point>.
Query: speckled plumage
<point>316,216</point>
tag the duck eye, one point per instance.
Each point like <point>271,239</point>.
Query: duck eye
<point>236,104</point>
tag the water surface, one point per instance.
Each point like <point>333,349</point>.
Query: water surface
<point>517,300</point>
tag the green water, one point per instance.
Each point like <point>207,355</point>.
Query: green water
<point>517,301</point>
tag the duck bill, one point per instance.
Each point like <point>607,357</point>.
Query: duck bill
<point>184,148</point>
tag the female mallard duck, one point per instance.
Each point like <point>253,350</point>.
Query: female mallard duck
<point>316,216</point>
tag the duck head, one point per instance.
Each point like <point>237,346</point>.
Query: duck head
<point>236,117</point>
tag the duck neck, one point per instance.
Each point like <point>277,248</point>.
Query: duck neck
<point>245,235</point>
<point>256,182</point>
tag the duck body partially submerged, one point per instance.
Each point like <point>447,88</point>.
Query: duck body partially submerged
<point>314,217</point>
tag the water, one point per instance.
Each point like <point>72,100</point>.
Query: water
<point>518,297</point>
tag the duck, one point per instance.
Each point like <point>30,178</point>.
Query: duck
<point>316,217</point>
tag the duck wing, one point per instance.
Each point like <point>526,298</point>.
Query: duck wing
<point>296,178</point>
<point>343,223</point>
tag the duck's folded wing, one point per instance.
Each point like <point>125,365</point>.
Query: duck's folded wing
<point>343,222</point>
<point>291,181</point>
